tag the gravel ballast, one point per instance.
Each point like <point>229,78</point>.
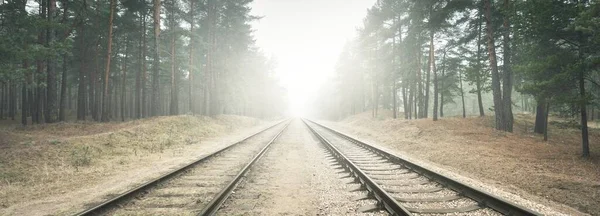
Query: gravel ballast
<point>295,178</point>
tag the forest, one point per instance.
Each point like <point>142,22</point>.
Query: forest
<point>299,107</point>
<point>129,59</point>
<point>419,57</point>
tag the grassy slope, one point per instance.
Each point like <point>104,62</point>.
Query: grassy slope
<point>44,160</point>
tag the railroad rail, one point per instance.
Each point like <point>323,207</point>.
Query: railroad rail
<point>405,188</point>
<point>124,197</point>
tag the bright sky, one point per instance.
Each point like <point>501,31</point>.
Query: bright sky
<point>306,37</point>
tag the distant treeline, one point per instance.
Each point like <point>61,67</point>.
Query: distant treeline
<point>130,59</point>
<point>417,56</point>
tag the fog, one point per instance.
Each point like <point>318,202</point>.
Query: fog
<point>305,38</point>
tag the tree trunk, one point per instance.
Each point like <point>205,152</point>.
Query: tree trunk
<point>2,99</point>
<point>51,96</point>
<point>174,105</point>
<point>191,65</point>
<point>419,100</point>
<point>433,70</point>
<point>140,81</point>
<point>427,83</point>
<point>30,90</point>
<point>138,84</point>
<point>24,105</point>
<point>546,121</point>
<point>144,101</point>
<point>10,100</point>
<point>539,117</point>
<point>496,90</point>
<point>63,90</point>
<point>462,94</point>
<point>156,65</point>
<point>507,72</point>
<point>585,143</point>
<point>124,82</point>
<point>442,84</point>
<point>478,81</point>
<point>405,102</point>
<point>106,95</point>
<point>63,83</point>
<point>93,106</point>
<point>394,78</point>
<point>394,100</point>
<point>81,89</point>
<point>69,98</point>
<point>211,92</point>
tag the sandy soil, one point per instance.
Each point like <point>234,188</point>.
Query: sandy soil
<point>59,168</point>
<point>544,175</point>
<point>294,178</point>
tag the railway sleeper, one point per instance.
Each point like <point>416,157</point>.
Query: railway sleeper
<point>445,210</point>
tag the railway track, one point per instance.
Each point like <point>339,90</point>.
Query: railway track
<point>198,188</point>
<point>405,188</point>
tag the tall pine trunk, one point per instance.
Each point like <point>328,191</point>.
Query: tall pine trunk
<point>585,143</point>
<point>137,113</point>
<point>546,121</point>
<point>154,108</point>
<point>51,107</point>
<point>81,88</point>
<point>539,116</point>
<point>462,94</point>
<point>24,105</point>
<point>140,92</point>
<point>63,91</point>
<point>145,110</point>
<point>63,82</point>
<point>191,65</point>
<point>209,89</point>
<point>173,109</point>
<point>419,100</point>
<point>124,82</point>
<point>434,72</point>
<point>106,95</point>
<point>479,81</point>
<point>11,100</point>
<point>442,84</point>
<point>496,90</point>
<point>405,105</point>
<point>2,99</point>
<point>507,72</point>
<point>93,105</point>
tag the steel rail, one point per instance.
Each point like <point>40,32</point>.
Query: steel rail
<point>219,199</point>
<point>97,209</point>
<point>385,200</point>
<point>483,198</point>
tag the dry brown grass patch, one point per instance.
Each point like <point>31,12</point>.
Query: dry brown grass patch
<point>520,160</point>
<point>41,160</point>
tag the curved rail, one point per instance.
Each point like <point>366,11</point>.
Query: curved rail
<point>127,194</point>
<point>496,203</point>
<point>219,199</point>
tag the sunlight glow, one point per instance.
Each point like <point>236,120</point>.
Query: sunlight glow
<point>306,38</point>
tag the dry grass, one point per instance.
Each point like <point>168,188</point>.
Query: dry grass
<point>520,161</point>
<point>44,160</point>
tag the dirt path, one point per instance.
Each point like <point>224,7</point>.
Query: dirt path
<point>293,178</point>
